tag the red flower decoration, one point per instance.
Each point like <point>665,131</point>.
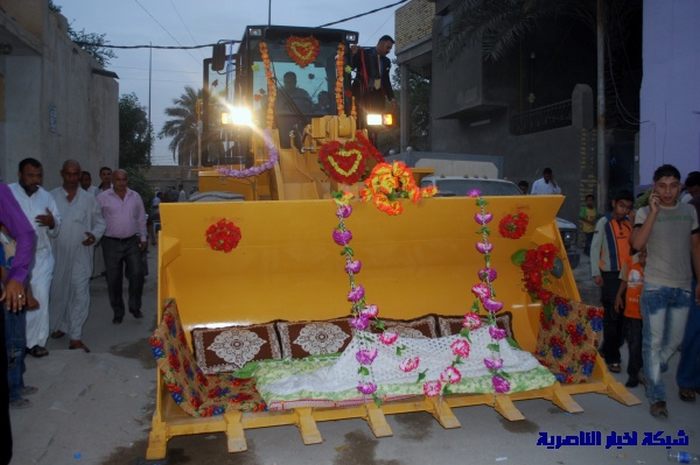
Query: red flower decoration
<point>513,226</point>
<point>347,163</point>
<point>303,50</point>
<point>223,235</point>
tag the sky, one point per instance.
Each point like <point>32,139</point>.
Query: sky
<point>190,22</point>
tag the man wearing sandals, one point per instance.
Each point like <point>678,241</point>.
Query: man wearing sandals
<point>669,230</point>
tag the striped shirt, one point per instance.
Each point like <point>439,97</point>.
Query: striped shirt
<point>610,247</point>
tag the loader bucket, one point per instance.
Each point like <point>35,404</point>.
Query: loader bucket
<point>286,265</point>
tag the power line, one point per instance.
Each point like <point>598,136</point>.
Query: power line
<point>165,70</point>
<point>192,47</point>
<point>363,14</point>
<point>163,28</point>
<point>164,47</point>
<point>187,29</point>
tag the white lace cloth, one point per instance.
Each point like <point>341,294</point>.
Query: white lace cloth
<point>435,355</point>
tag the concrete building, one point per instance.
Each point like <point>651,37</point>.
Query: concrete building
<point>56,101</point>
<point>534,107</point>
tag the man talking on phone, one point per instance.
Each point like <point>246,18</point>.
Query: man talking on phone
<point>669,230</point>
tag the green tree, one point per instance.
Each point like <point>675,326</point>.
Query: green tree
<point>182,127</point>
<point>135,133</point>
<point>92,42</point>
<point>498,25</point>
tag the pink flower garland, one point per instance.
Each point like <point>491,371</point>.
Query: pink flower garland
<point>485,295</point>
<point>258,169</point>
<point>363,316</point>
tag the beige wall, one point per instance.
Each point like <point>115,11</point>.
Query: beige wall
<point>56,107</point>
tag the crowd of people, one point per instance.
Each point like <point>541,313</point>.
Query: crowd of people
<point>647,263</point>
<point>66,223</point>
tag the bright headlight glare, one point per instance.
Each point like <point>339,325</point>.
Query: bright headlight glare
<point>374,119</point>
<point>240,116</point>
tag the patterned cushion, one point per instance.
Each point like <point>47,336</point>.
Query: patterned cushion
<point>567,340</point>
<point>304,338</point>
<point>197,394</point>
<point>419,327</point>
<point>450,325</point>
<point>229,348</point>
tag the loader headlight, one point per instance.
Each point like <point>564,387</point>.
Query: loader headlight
<point>238,116</point>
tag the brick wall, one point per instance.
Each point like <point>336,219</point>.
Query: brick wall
<point>413,23</point>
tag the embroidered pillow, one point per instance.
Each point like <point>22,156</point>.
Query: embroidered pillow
<point>219,350</point>
<point>301,339</point>
<point>450,325</point>
<point>423,327</point>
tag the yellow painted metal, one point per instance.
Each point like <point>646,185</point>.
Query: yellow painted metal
<point>297,176</point>
<point>287,266</point>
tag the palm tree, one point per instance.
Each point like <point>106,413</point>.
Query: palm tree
<point>183,127</point>
<point>498,25</point>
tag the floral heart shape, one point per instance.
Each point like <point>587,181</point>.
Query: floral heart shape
<point>303,50</point>
<point>344,163</point>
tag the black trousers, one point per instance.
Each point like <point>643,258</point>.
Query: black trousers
<point>123,256</point>
<point>613,335</point>
<point>633,335</point>
<point>6,437</point>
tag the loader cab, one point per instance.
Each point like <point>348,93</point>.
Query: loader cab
<point>303,90</point>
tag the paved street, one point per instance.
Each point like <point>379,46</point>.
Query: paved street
<point>95,409</point>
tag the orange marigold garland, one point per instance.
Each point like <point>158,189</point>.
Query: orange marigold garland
<point>390,182</point>
<point>223,235</point>
<point>303,50</point>
<point>346,162</point>
<point>271,87</point>
<point>513,226</point>
<point>340,79</point>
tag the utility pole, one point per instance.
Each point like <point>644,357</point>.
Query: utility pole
<point>200,127</point>
<point>269,12</point>
<point>150,70</point>
<point>602,160</point>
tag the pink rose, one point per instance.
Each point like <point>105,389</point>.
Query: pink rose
<point>365,356</point>
<point>487,274</point>
<point>482,247</point>
<point>493,363</point>
<point>353,267</point>
<point>471,321</point>
<point>497,333</point>
<point>359,323</point>
<point>388,338</point>
<point>483,218</point>
<point>450,375</point>
<point>370,311</point>
<point>343,211</point>
<point>500,384</point>
<point>460,347</point>
<point>491,305</point>
<point>432,388</point>
<point>366,388</point>
<point>409,364</point>
<point>481,291</point>
<point>342,237</point>
<point>356,294</point>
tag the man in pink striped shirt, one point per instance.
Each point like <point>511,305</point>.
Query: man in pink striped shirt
<point>124,241</point>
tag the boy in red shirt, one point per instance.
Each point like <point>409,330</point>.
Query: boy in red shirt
<point>627,298</point>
